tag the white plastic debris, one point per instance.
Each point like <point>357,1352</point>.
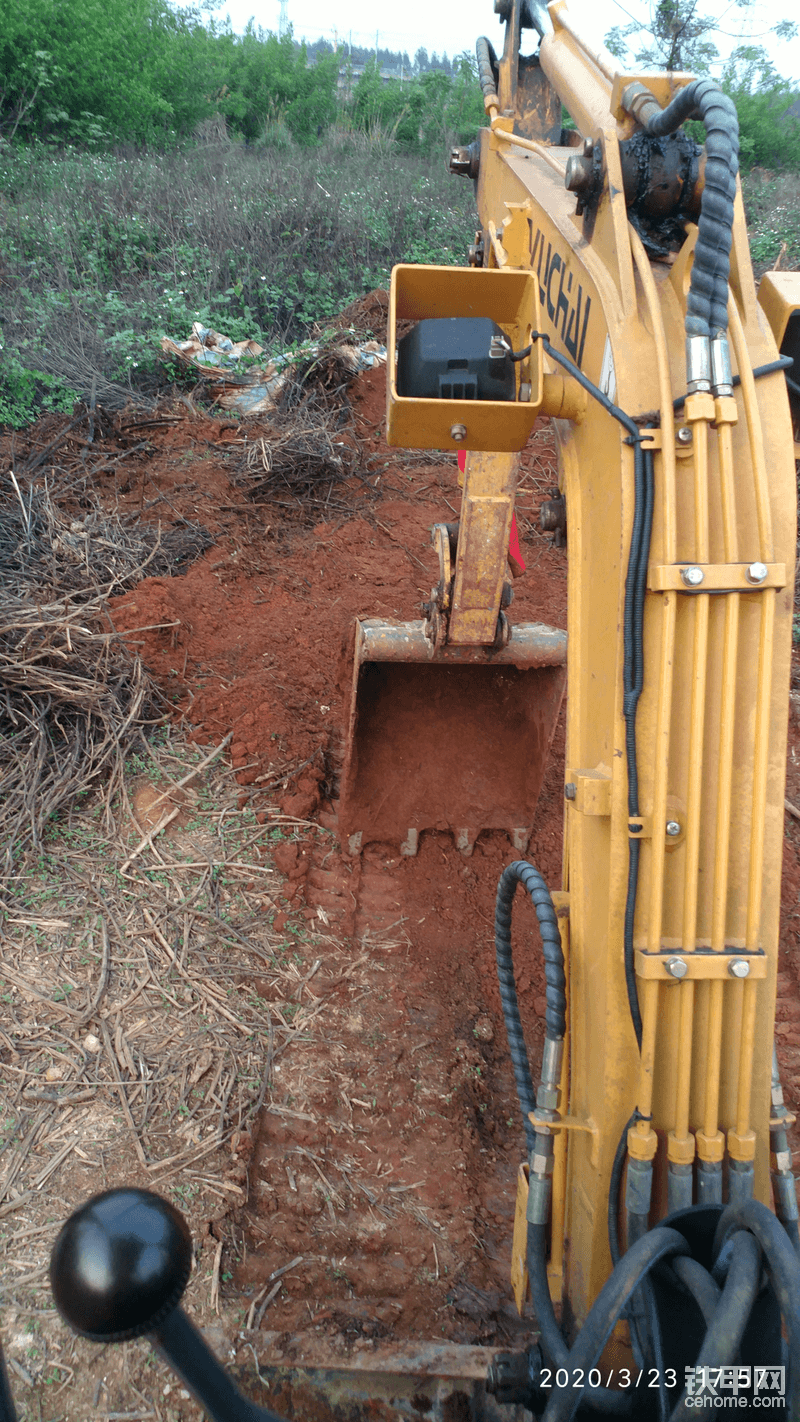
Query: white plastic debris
<point>253,388</point>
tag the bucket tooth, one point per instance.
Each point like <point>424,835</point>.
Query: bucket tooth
<point>465,840</point>
<point>410,844</point>
<point>520,839</point>
<point>354,842</point>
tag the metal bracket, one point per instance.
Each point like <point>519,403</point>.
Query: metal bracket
<point>717,577</point>
<point>701,965</point>
<point>592,790</point>
<point>563,1123</point>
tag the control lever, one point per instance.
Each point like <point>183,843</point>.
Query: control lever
<point>118,1270</point>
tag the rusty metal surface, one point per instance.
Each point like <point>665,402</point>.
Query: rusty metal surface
<point>532,644</point>
<point>420,1359</point>
<point>322,1380</point>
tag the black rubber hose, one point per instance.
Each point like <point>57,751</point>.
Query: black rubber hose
<point>704,1290</point>
<point>707,302</point>
<point>520,872</point>
<point>615,1189</point>
<point>726,1329</point>
<point>607,1309</point>
<point>601,1399</point>
<point>487,59</point>
<point>783,1267</point>
<point>793,1233</point>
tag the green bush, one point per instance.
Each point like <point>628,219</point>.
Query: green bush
<point>102,255</point>
<point>26,394</point>
<point>768,136</point>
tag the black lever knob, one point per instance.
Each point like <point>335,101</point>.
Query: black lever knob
<point>120,1265</point>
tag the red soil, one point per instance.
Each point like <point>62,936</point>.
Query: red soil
<point>412,1083</point>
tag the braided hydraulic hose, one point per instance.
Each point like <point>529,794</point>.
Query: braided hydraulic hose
<point>704,1290</point>
<point>783,1267</point>
<point>487,62</point>
<point>520,872</point>
<point>707,303</point>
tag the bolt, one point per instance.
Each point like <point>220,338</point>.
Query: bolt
<point>458,433</point>
<point>673,828</point>
<point>739,968</point>
<point>677,967</point>
<point>635,829</point>
<point>570,791</point>
<point>683,435</point>
<point>579,173</point>
<point>553,515</point>
<point>756,573</point>
<point>692,577</point>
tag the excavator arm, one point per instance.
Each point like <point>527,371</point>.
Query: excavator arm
<point>614,259</point>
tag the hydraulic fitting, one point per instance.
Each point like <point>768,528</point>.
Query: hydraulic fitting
<point>640,103</point>
<point>465,161</point>
<point>741,1174</point>
<point>698,364</point>
<point>721,377</point>
<point>638,1193</point>
<point>513,1378</point>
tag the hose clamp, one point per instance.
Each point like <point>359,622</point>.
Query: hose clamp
<point>698,364</point>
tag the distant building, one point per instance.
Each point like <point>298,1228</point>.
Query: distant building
<point>350,74</point>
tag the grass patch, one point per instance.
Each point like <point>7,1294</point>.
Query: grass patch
<point>772,205</point>
<point>104,254</point>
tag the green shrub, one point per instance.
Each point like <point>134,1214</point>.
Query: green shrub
<point>26,394</point>
<point>102,255</point>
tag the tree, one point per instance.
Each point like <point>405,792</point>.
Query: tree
<point>768,134</point>
<point>679,35</point>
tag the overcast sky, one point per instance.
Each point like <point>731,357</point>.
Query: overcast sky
<point>454,27</point>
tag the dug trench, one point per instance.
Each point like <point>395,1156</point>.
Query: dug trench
<point>386,1165</point>
<point>380,1182</point>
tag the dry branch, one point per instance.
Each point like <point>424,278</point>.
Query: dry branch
<point>72,694</point>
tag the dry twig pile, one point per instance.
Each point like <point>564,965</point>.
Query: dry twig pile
<point>72,695</point>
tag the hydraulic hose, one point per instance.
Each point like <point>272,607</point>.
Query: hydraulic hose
<point>707,303</point>
<point>520,872</point>
<point>704,1290</point>
<point>783,1267</point>
<point>726,1327</point>
<point>602,1400</point>
<point>633,642</point>
<point>607,1309</point>
<point>487,60</point>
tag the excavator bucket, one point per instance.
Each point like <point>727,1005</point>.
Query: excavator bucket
<point>451,719</point>
<point>454,739</point>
